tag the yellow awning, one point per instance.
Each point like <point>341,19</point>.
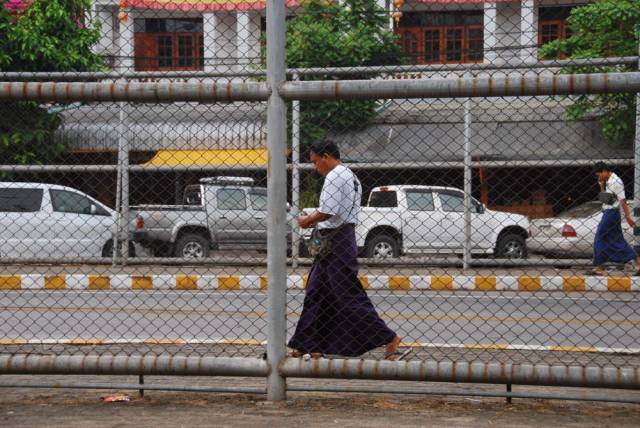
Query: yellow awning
<point>226,157</point>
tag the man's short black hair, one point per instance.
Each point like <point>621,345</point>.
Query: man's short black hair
<point>325,147</point>
<point>601,167</point>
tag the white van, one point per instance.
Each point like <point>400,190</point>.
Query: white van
<point>50,221</point>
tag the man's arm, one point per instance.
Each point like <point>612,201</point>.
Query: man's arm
<point>627,212</point>
<point>307,221</point>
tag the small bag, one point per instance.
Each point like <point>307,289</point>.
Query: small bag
<point>607,198</point>
<point>319,244</point>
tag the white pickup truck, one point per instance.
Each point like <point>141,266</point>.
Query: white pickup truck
<point>408,219</point>
<point>219,213</point>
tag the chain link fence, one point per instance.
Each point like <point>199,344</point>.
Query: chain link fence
<point>134,200</point>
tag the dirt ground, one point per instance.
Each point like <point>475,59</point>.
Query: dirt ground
<point>29,407</point>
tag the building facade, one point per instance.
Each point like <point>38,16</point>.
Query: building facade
<point>212,35</point>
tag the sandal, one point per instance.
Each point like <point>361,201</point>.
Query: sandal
<point>300,354</point>
<point>397,355</point>
<point>595,272</point>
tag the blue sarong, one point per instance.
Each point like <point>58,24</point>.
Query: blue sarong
<point>610,245</point>
<point>337,316</point>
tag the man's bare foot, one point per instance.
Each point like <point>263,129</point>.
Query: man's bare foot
<point>295,354</point>
<point>392,347</point>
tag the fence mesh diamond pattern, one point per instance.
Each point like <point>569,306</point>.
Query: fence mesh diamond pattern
<point>497,227</point>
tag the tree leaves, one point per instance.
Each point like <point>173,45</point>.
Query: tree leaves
<point>48,36</point>
<point>606,28</point>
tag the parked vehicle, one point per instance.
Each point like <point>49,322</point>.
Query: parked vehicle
<point>218,213</point>
<point>572,232</point>
<point>40,220</point>
<point>399,220</point>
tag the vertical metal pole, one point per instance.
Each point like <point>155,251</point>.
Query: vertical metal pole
<point>141,382</point>
<point>636,160</point>
<point>177,188</point>
<point>124,209</point>
<point>119,171</point>
<point>276,201</point>
<point>466,256</point>
<point>295,178</point>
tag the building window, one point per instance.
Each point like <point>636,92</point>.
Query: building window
<point>552,24</point>
<point>442,37</point>
<point>168,44</point>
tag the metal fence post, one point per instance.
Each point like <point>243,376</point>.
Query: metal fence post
<point>636,161</point>
<point>276,201</point>
<point>295,177</point>
<point>124,202</point>
<point>466,256</point>
<point>121,167</point>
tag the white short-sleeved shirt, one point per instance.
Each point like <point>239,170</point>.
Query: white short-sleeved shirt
<point>340,197</point>
<point>616,186</point>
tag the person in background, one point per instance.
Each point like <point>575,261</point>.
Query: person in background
<point>609,245</point>
<point>337,317</point>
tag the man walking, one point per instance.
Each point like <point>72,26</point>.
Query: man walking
<point>609,244</point>
<point>337,317</point>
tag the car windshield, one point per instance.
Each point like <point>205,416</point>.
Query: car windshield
<point>581,211</point>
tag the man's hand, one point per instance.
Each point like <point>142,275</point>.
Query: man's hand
<point>308,221</point>
<point>305,221</point>
<point>602,184</point>
<point>631,221</point>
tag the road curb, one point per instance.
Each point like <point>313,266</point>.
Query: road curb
<point>373,282</point>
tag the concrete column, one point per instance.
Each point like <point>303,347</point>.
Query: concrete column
<point>125,42</point>
<point>225,41</point>
<point>209,21</point>
<point>529,31</point>
<point>106,17</point>
<point>490,32</point>
<point>243,33</point>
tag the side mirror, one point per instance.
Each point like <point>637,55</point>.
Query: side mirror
<point>480,208</point>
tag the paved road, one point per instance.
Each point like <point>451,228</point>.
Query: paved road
<point>606,320</point>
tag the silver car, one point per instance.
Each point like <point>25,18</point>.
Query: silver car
<point>572,232</point>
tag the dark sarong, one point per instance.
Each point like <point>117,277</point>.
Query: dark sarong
<point>610,245</point>
<point>338,317</point>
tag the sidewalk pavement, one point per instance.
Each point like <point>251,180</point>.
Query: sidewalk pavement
<point>28,407</point>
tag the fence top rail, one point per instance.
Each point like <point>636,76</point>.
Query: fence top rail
<point>130,75</point>
<point>156,92</point>
<point>153,92</point>
<point>509,85</point>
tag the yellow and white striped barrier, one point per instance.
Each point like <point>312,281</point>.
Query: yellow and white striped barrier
<point>372,282</point>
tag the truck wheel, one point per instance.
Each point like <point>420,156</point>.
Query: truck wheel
<point>511,246</point>
<point>382,247</point>
<point>107,250</point>
<point>192,246</point>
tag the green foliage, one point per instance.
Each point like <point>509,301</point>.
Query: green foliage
<point>50,35</point>
<point>349,34</point>
<point>309,197</point>
<point>605,28</point>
